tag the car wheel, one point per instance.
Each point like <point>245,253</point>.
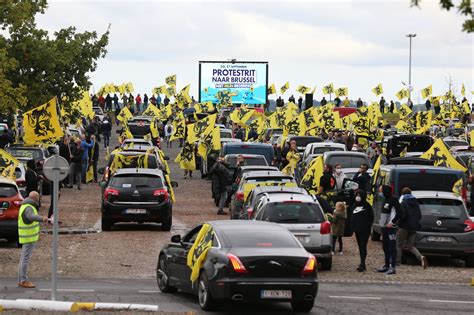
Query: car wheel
<point>168,221</point>
<point>106,224</point>
<point>206,302</point>
<point>469,261</point>
<point>375,236</point>
<point>15,241</point>
<point>162,276</point>
<point>326,264</point>
<point>302,306</point>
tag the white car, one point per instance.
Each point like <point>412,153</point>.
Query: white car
<point>98,112</point>
<point>318,148</point>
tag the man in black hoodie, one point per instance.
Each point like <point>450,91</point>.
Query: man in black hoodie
<point>389,214</point>
<point>361,221</point>
<point>408,224</point>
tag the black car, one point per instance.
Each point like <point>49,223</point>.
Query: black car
<point>247,261</point>
<point>136,195</point>
<point>139,126</point>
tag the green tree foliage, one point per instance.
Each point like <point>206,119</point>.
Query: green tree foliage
<point>43,65</point>
<point>464,7</point>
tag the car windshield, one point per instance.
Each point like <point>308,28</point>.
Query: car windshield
<point>136,181</point>
<point>26,153</point>
<point>293,212</point>
<point>137,159</point>
<point>259,238</point>
<point>226,134</point>
<point>455,143</point>
<point>7,191</point>
<point>347,161</point>
<point>303,142</point>
<point>321,150</point>
<point>249,161</point>
<point>420,180</point>
<point>412,144</point>
<point>435,207</point>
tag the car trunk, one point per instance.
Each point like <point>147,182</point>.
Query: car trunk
<point>307,233</point>
<point>442,215</point>
<point>136,189</point>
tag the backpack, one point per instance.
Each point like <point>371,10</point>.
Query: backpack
<point>168,129</point>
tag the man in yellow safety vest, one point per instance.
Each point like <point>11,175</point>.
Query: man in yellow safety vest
<point>28,234</point>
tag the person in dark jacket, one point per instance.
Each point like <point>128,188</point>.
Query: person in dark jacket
<point>75,168</point>
<point>327,181</point>
<point>382,105</point>
<point>240,133</point>
<point>428,105</point>
<point>116,103</point>
<point>363,178</point>
<point>31,177</point>
<point>392,107</point>
<point>361,222</point>
<point>408,224</point>
<point>5,139</point>
<point>323,101</point>
<point>107,131</point>
<point>94,158</point>
<point>300,103</point>
<point>222,182</point>
<point>389,214</point>
<point>108,103</point>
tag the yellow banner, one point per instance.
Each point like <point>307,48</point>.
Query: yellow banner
<point>42,123</point>
<point>198,251</point>
<point>251,186</point>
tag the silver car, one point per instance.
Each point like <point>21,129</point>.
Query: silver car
<point>301,215</point>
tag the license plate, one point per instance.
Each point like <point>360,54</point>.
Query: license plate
<point>439,239</point>
<point>135,211</point>
<point>275,294</point>
<point>302,238</point>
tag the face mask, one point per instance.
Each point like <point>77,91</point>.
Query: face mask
<point>338,171</point>
<point>358,199</point>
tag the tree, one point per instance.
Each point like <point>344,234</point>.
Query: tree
<point>464,8</point>
<point>44,65</point>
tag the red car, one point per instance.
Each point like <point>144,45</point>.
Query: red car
<point>10,202</point>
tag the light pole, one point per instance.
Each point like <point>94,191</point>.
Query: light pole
<point>410,88</point>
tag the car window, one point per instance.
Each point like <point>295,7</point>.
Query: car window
<point>293,212</point>
<point>136,181</point>
<point>191,236</point>
<point>261,238</point>
<point>442,208</point>
<point>347,161</point>
<point>267,179</point>
<point>26,153</point>
<point>303,142</point>
<point>453,143</point>
<point>413,144</point>
<point>427,181</point>
<point>321,150</point>
<point>7,191</point>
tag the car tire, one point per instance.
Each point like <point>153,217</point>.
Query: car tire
<point>302,306</point>
<point>206,302</point>
<point>167,223</point>
<point>469,261</point>
<point>162,276</point>
<point>375,236</point>
<point>106,224</point>
<point>326,264</point>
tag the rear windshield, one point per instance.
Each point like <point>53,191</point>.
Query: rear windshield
<point>427,181</point>
<point>270,179</point>
<point>137,161</point>
<point>303,142</point>
<point>293,213</point>
<point>226,134</point>
<point>249,161</point>
<point>448,208</point>
<point>7,191</point>
<point>413,144</point>
<point>246,149</point>
<point>321,150</point>
<point>347,161</point>
<point>454,143</point>
<point>136,181</point>
<point>26,153</point>
<point>255,238</point>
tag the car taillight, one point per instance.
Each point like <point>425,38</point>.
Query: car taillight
<point>469,226</point>
<point>249,212</point>
<point>325,227</point>
<point>110,192</point>
<point>236,264</point>
<point>17,203</point>
<point>21,183</point>
<point>161,193</point>
<point>239,196</point>
<point>310,265</point>
<point>464,194</point>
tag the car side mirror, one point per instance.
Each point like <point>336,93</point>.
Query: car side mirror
<point>349,185</point>
<point>101,170</point>
<point>174,184</point>
<point>166,158</point>
<point>176,239</point>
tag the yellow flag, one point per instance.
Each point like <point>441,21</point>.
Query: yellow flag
<point>343,91</point>
<point>285,87</point>
<point>404,111</point>
<point>151,110</point>
<point>403,93</point>
<point>375,174</point>
<point>471,136</point>
<point>311,178</point>
<point>8,164</point>
<point>198,251</point>
<point>204,107</point>
<point>159,90</point>
<point>90,174</point>
<point>427,91</point>
<point>129,87</point>
<point>124,115</point>
<point>463,90</point>
<point>302,89</point>
<point>178,129</point>
<point>42,123</point>
<point>423,119</point>
<point>170,188</point>
<point>183,96</point>
<point>328,89</point>
<point>378,90</point>
<point>441,156</point>
<point>457,187</point>
<point>271,89</point>
<point>171,80</point>
<point>186,158</point>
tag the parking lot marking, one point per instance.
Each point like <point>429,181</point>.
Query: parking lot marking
<point>355,297</point>
<point>70,290</point>
<point>449,301</point>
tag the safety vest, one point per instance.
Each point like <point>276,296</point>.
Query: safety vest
<point>27,233</point>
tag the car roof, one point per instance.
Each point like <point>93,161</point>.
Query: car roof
<point>243,225</point>
<point>244,155</point>
<point>290,197</point>
<point>421,194</point>
<point>258,167</point>
<point>266,174</point>
<point>137,140</point>
<point>344,153</point>
<point>327,144</point>
<point>144,171</point>
<point>419,167</point>
<point>4,180</point>
<point>24,146</point>
<point>279,189</point>
<point>249,144</point>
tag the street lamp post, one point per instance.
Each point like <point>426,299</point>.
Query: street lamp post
<point>410,88</point>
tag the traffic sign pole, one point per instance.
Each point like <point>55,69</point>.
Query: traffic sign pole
<point>54,260</point>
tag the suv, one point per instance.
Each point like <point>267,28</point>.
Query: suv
<point>139,126</point>
<point>302,216</point>
<point>249,148</point>
<point>10,202</point>
<point>446,228</point>
<point>415,145</point>
<point>136,195</point>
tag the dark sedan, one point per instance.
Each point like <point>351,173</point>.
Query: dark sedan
<point>246,261</point>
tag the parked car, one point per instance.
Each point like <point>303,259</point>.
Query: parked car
<point>456,144</point>
<point>249,160</point>
<point>301,215</point>
<point>139,126</point>
<point>303,141</point>
<point>319,148</point>
<point>226,133</point>
<point>136,195</point>
<point>350,161</point>
<point>247,261</point>
<point>415,145</point>
<point>446,228</point>
<point>249,148</point>
<point>10,202</point>
<point>272,132</point>
<point>98,112</point>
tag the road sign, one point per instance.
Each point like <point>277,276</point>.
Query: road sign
<point>55,163</point>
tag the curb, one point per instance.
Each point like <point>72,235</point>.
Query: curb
<point>59,306</point>
<point>72,231</point>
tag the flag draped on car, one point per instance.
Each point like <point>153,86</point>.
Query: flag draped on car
<point>198,252</point>
<point>8,163</point>
<point>440,155</point>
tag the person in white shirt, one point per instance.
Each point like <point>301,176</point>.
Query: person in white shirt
<point>339,176</point>
<point>168,132</point>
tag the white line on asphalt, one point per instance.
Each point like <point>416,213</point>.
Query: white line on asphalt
<point>70,290</point>
<point>448,301</point>
<point>147,291</point>
<point>355,297</point>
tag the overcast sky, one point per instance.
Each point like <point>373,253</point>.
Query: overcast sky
<point>355,44</point>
